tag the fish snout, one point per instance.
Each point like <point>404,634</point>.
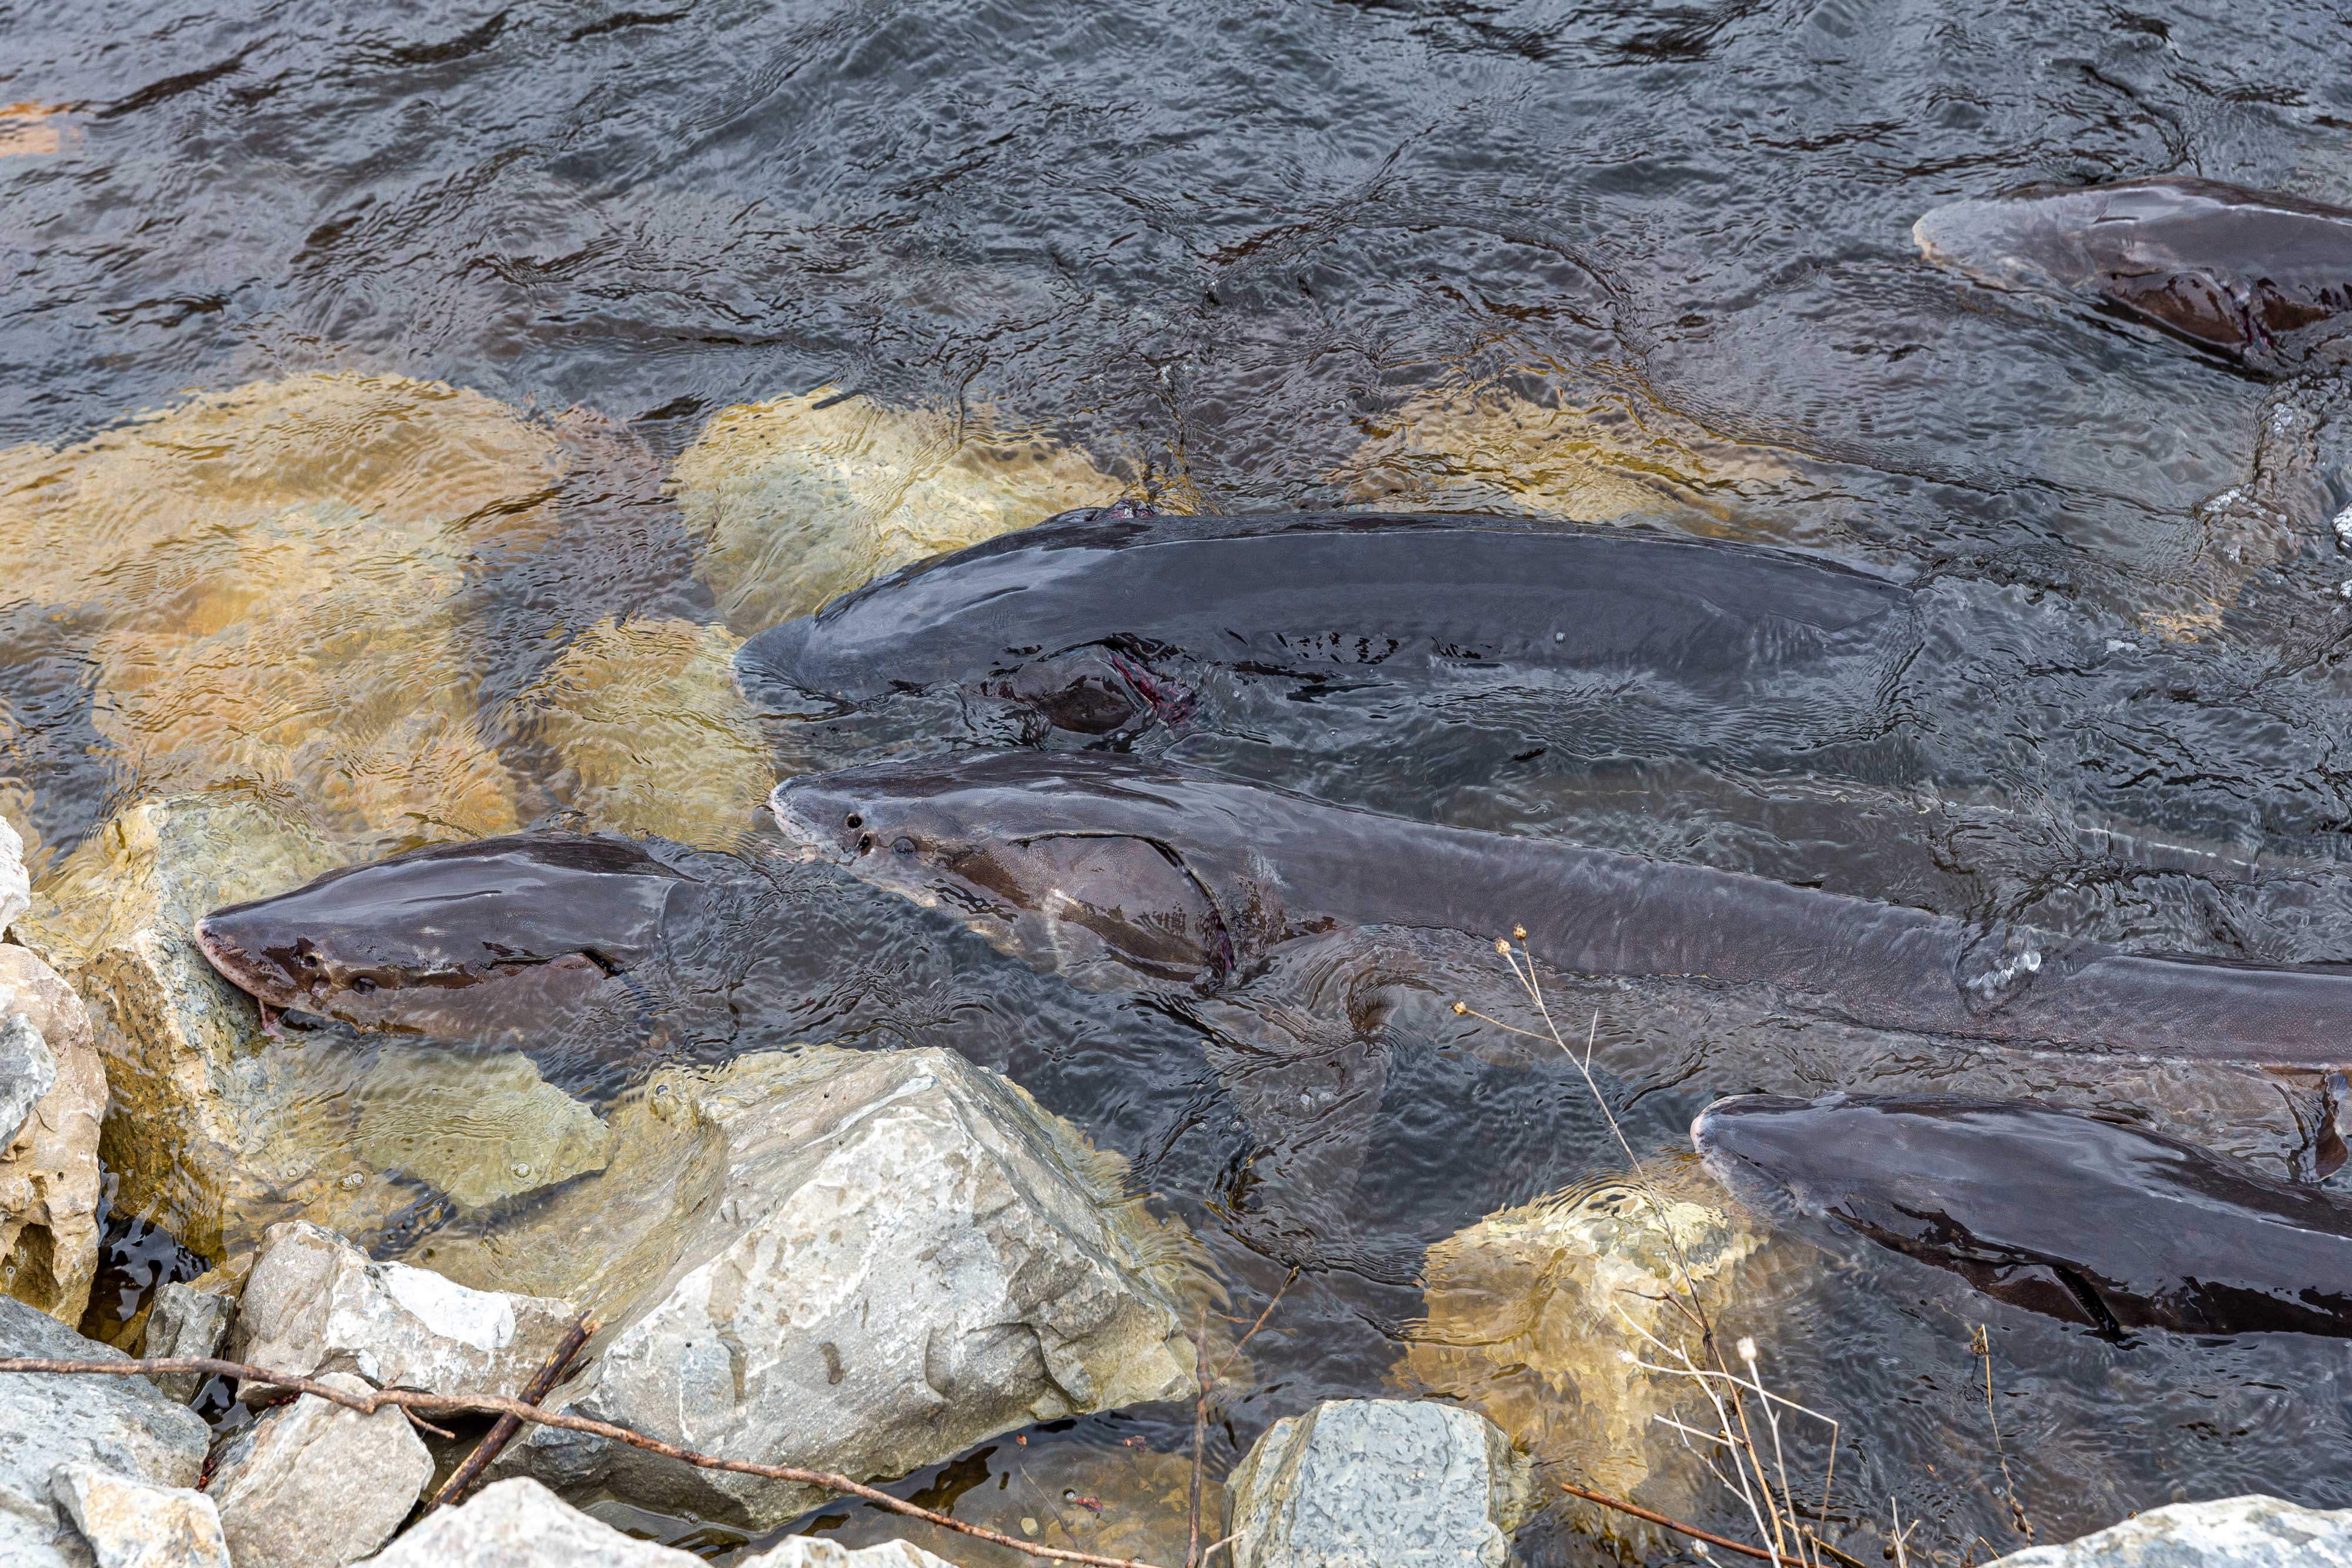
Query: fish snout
<point>814,838</point>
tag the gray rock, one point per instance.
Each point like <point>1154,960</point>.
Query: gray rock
<point>1400,1482</point>
<point>317,1485</point>
<point>315,1301</point>
<point>48,1168</point>
<point>120,1424</point>
<point>136,1524</point>
<point>27,1070</point>
<point>520,1523</point>
<point>877,1260</point>
<point>186,1321</point>
<point>808,1551</point>
<point>2253,1532</point>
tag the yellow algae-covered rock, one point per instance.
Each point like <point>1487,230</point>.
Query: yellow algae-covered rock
<point>800,498</point>
<point>266,579</point>
<point>1489,448</point>
<point>648,734</point>
<point>1532,1310</point>
<point>216,1129</point>
<point>314,650</point>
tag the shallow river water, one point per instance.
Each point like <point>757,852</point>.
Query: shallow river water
<point>374,443</point>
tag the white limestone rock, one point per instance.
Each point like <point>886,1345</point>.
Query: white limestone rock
<point>519,1523</point>
<point>314,1303</point>
<point>1396,1481</point>
<point>119,1425</point>
<point>16,888</point>
<point>2250,1532</point>
<point>131,1523</point>
<point>317,1485</point>
<point>879,1259</point>
<point>53,1096</point>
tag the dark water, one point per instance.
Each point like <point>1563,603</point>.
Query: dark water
<point>1219,248</point>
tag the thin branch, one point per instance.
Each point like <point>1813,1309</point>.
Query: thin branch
<point>1693,1531</point>
<point>1235,1353</point>
<point>497,1405</point>
<point>1199,1435</point>
<point>551,1371</point>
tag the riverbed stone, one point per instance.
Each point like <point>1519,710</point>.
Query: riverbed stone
<point>1399,1481</point>
<point>50,1176</point>
<point>316,1303</point>
<point>2250,1532</point>
<point>648,733</point>
<point>188,1320</point>
<point>859,1261</point>
<point>120,1424</point>
<point>800,498</point>
<point>217,1129</point>
<point>1530,1313</point>
<point>131,1523</point>
<point>314,1484</point>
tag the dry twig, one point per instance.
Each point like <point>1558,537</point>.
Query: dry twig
<point>551,1371</point>
<point>496,1404</point>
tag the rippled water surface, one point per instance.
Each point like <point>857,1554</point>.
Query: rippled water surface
<point>374,444</point>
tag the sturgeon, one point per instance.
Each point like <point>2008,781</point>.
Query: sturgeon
<point>2070,1213</point>
<point>1086,618</point>
<point>489,940</point>
<point>1179,877</point>
<point>2260,279</point>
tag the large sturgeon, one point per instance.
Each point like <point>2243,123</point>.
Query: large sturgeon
<point>1188,877</point>
<point>1079,618</point>
<point>2263,278</point>
<point>2066,1212</point>
<point>489,940</point>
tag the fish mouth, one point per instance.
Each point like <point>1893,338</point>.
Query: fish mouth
<point>812,845</point>
<point>237,966</point>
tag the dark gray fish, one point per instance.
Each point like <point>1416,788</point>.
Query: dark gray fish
<point>2065,1212</point>
<point>1078,618</point>
<point>1182,876</point>
<point>2264,279</point>
<point>489,940</point>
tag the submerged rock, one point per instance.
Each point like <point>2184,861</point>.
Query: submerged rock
<point>120,1426</point>
<point>1379,1480</point>
<point>267,583</point>
<point>650,734</point>
<point>862,1261</point>
<point>800,498</point>
<point>316,1302</point>
<point>314,1484</point>
<point>215,1129</point>
<point>1593,455</point>
<point>519,1523</point>
<point>50,1176</point>
<point>129,1523</point>
<point>1531,1310</point>
<point>2251,1532</point>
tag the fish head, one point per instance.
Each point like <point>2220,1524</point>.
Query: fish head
<point>462,941</point>
<point>1043,871</point>
<point>1777,1153</point>
<point>2025,241</point>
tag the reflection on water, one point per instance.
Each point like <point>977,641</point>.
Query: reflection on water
<point>410,412</point>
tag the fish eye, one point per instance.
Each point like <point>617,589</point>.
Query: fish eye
<point>902,845</point>
<point>853,820</point>
<point>309,960</point>
<point>362,984</point>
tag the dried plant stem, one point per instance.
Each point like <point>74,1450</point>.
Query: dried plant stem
<point>551,1371</point>
<point>1200,1437</point>
<point>1693,1531</point>
<point>495,1404</point>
